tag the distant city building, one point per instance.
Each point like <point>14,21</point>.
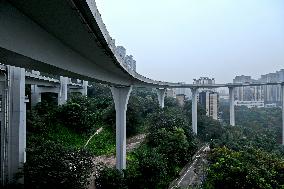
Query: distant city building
<point>250,104</point>
<point>130,62</point>
<point>270,94</point>
<point>204,81</point>
<point>209,100</point>
<point>121,52</point>
<point>249,93</point>
<point>127,60</point>
<point>170,93</point>
<point>223,95</point>
<point>272,105</point>
<point>183,91</point>
<point>180,99</point>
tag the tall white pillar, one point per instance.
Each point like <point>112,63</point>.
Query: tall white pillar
<point>35,95</point>
<point>259,93</point>
<point>85,88</point>
<point>62,96</point>
<point>194,92</point>
<point>255,93</point>
<point>16,122</point>
<point>161,96</point>
<point>242,97</point>
<point>282,91</point>
<point>232,106</point>
<point>121,97</point>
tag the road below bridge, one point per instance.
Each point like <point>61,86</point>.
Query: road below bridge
<point>193,173</point>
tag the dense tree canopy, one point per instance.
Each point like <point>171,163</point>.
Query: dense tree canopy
<point>244,156</point>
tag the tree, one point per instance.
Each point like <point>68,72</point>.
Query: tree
<point>83,114</point>
<point>173,145</point>
<point>50,165</point>
<point>140,104</point>
<point>251,168</point>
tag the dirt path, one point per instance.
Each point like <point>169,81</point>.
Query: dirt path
<point>110,161</point>
<point>131,144</point>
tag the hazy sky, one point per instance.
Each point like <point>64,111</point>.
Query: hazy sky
<point>178,40</point>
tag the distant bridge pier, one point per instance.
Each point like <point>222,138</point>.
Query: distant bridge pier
<point>13,125</point>
<point>84,90</point>
<point>35,95</point>
<point>232,106</point>
<point>161,92</point>
<point>37,91</point>
<point>282,91</point>
<point>62,96</point>
<point>121,97</point>
<point>62,89</point>
<point>194,92</point>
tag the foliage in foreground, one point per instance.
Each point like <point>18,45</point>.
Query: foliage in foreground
<point>50,165</point>
<point>141,103</point>
<point>83,114</point>
<point>57,135</point>
<point>251,168</point>
<point>247,156</point>
<point>168,147</point>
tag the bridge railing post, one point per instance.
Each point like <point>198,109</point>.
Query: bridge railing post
<point>161,92</point>
<point>121,97</point>
<point>232,106</point>
<point>194,92</point>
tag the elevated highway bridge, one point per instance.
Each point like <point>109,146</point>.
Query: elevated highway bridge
<point>68,38</point>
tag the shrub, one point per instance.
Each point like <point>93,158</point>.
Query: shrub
<point>146,170</point>
<point>152,167</point>
<point>108,178</point>
<point>173,145</point>
<point>245,169</point>
<point>137,109</point>
<point>82,114</point>
<point>36,123</point>
<point>50,165</point>
<point>169,118</point>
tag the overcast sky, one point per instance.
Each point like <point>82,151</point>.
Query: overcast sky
<point>178,40</point>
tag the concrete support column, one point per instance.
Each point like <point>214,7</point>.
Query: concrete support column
<point>161,97</point>
<point>232,106</point>
<point>15,123</point>
<point>35,95</point>
<point>242,97</point>
<point>85,88</point>
<point>282,91</point>
<point>121,97</point>
<point>255,93</point>
<point>194,92</point>
<point>62,96</point>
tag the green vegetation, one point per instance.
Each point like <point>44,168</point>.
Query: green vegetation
<point>255,118</point>
<point>249,168</point>
<point>58,135</point>
<point>168,147</point>
<point>140,104</point>
<point>49,164</point>
<point>49,125</point>
<point>245,156</point>
<point>56,139</point>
